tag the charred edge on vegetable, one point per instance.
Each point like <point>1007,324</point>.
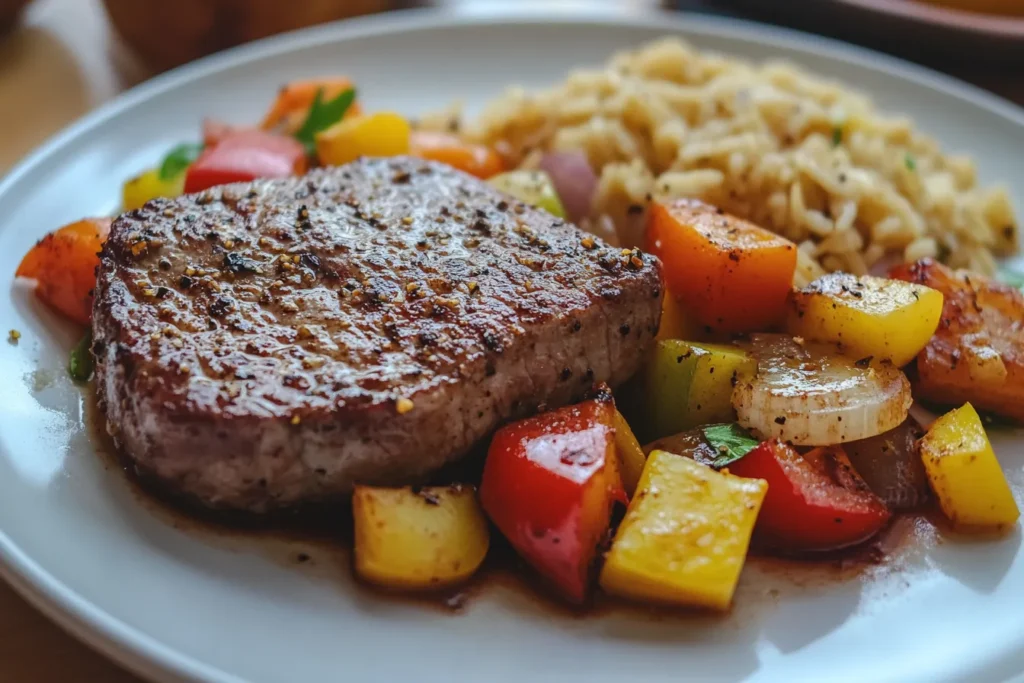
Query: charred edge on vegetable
<point>601,393</point>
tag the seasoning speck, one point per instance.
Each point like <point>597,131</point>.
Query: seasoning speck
<point>296,419</point>
<point>404,405</point>
<point>13,336</point>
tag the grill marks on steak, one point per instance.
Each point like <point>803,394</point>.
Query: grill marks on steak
<point>259,345</point>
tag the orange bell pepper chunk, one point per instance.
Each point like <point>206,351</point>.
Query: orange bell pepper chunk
<point>549,484</point>
<point>477,160</point>
<point>729,275</point>
<point>63,264</point>
<point>293,101</point>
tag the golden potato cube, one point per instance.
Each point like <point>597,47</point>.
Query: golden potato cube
<point>410,539</point>
<point>869,316</point>
<point>384,134</point>
<point>964,472</point>
<point>685,535</point>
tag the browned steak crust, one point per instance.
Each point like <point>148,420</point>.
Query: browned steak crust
<point>266,344</point>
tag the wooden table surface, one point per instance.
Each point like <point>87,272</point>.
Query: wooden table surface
<point>59,64</point>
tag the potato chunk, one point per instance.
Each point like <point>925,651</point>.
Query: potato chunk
<point>685,535</point>
<point>964,472</point>
<point>870,316</point>
<point>422,539</point>
<point>977,354</point>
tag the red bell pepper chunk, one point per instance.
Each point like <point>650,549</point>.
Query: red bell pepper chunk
<point>549,484</point>
<point>815,501</point>
<point>243,156</point>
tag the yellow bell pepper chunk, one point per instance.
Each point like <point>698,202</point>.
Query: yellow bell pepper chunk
<point>149,185</point>
<point>685,535</point>
<point>631,455</point>
<point>415,540</point>
<point>869,316</point>
<point>965,474</point>
<point>383,134</point>
<point>674,324</point>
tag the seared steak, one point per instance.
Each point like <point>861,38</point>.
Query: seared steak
<point>266,344</point>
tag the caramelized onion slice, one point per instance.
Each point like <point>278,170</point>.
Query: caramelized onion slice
<point>811,395</point>
<point>890,464</point>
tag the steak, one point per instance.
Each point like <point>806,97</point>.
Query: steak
<point>267,344</point>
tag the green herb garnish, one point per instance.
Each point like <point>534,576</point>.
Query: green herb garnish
<point>322,115</point>
<point>80,365</point>
<point>837,136</point>
<point>178,159</point>
<point>731,441</point>
<point>909,162</point>
<point>1012,278</point>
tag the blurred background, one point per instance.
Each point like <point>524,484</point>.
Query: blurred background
<point>61,58</point>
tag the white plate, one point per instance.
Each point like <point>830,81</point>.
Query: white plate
<point>174,603</point>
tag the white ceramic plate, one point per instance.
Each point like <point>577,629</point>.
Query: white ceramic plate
<point>177,603</point>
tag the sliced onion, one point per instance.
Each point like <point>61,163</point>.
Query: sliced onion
<point>810,395</point>
<point>924,417</point>
<point>574,180</point>
<point>689,444</point>
<point>890,464</point>
<point>883,265</point>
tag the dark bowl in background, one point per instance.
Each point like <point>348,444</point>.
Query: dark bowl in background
<point>10,10</point>
<point>944,38</point>
<point>165,34</point>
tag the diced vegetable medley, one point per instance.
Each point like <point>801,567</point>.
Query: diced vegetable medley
<point>774,414</point>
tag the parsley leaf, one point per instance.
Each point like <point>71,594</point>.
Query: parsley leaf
<point>837,136</point>
<point>909,162</point>
<point>322,115</point>
<point>1012,278</point>
<point>731,441</point>
<point>80,365</point>
<point>178,159</point>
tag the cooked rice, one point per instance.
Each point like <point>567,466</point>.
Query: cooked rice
<point>801,155</point>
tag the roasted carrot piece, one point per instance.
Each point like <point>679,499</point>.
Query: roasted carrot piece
<point>729,275</point>
<point>477,160</point>
<point>64,266</point>
<point>294,100</point>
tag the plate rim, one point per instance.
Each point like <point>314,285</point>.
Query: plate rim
<point>143,654</point>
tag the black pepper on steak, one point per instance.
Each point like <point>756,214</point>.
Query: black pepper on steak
<point>427,336</point>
